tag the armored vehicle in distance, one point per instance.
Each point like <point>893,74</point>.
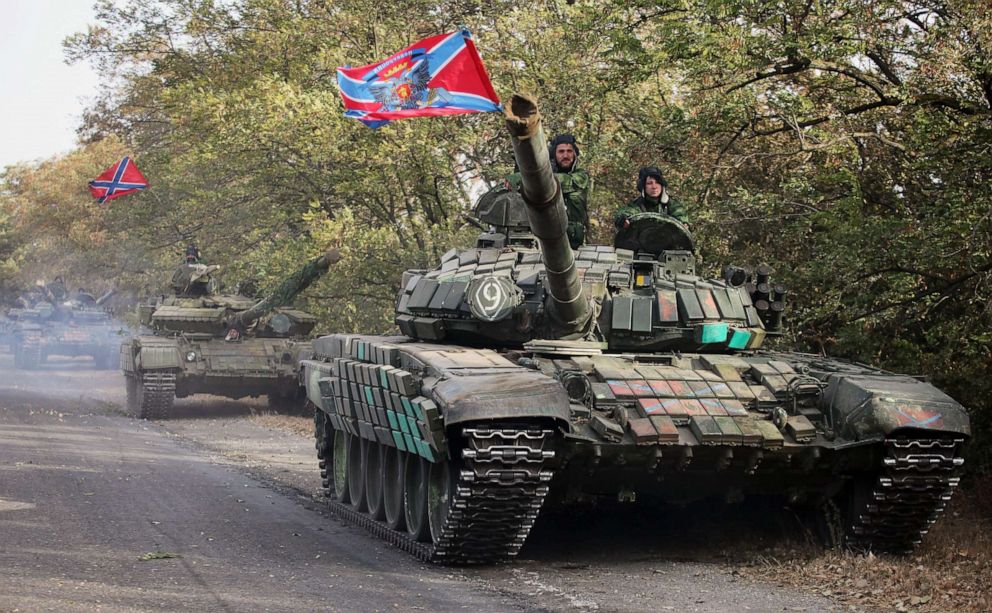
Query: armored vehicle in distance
<point>53,323</point>
<point>527,370</point>
<point>206,342</point>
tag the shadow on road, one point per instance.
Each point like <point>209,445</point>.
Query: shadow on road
<point>703,531</point>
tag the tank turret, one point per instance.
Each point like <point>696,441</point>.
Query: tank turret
<point>196,307</point>
<point>642,293</point>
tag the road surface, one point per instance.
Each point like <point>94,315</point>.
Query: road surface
<point>102,512</point>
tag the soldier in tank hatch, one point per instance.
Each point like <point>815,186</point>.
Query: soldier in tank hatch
<point>653,198</point>
<point>575,185</point>
<point>192,255</point>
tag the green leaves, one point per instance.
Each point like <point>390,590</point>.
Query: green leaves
<point>847,144</point>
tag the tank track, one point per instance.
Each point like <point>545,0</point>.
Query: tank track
<point>158,392</point>
<point>324,452</point>
<point>495,501</point>
<point>917,480</point>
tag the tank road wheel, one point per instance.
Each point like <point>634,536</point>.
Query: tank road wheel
<point>373,479</point>
<point>415,498</point>
<point>157,392</point>
<point>339,465</point>
<point>356,472</point>
<point>392,487</point>
<point>440,492</point>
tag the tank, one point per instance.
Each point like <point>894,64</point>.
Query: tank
<point>527,372</point>
<point>206,342</point>
<point>51,322</point>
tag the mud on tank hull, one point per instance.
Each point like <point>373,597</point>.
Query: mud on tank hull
<point>159,369</point>
<point>449,452</point>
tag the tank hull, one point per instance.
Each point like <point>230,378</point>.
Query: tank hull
<point>875,452</point>
<point>183,367</point>
<point>90,333</point>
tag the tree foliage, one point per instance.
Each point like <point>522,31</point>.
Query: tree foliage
<point>847,143</point>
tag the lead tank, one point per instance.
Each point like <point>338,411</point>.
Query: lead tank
<point>207,342</point>
<point>527,370</point>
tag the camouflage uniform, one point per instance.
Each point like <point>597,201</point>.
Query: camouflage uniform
<point>664,203</point>
<point>575,187</point>
<point>643,204</point>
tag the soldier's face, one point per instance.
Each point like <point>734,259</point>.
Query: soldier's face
<point>652,187</point>
<point>564,155</point>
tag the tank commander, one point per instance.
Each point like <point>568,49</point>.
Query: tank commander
<point>653,198</point>
<point>192,255</point>
<point>575,185</point>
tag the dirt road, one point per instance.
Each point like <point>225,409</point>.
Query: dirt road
<point>229,512</point>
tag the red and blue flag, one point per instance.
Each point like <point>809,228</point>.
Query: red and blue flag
<point>121,179</point>
<point>440,75</point>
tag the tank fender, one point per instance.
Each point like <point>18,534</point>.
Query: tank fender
<point>316,377</point>
<point>158,356</point>
<point>864,407</point>
<point>501,396</point>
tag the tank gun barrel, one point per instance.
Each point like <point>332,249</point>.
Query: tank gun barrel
<point>546,211</point>
<point>105,297</point>
<point>286,291</point>
<point>47,293</point>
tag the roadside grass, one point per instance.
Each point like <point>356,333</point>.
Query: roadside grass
<point>950,571</point>
<point>299,425</point>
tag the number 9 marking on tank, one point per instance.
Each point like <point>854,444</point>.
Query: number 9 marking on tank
<point>489,299</point>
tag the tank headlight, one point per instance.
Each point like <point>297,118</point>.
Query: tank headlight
<point>191,356</point>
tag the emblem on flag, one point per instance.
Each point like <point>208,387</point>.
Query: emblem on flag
<point>440,75</point>
<point>121,179</point>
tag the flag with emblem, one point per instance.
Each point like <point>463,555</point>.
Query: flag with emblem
<point>121,179</point>
<point>439,75</point>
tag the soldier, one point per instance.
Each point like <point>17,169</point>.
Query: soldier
<point>653,198</point>
<point>575,185</point>
<point>58,289</point>
<point>192,255</point>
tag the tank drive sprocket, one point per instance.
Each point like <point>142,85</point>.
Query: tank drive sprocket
<point>915,482</point>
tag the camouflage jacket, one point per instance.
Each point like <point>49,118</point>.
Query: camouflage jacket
<point>575,188</point>
<point>642,204</point>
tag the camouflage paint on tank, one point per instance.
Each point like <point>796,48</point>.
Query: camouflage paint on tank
<point>528,371</point>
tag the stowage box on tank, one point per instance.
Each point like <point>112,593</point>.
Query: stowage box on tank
<point>526,370</point>
<point>205,342</point>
